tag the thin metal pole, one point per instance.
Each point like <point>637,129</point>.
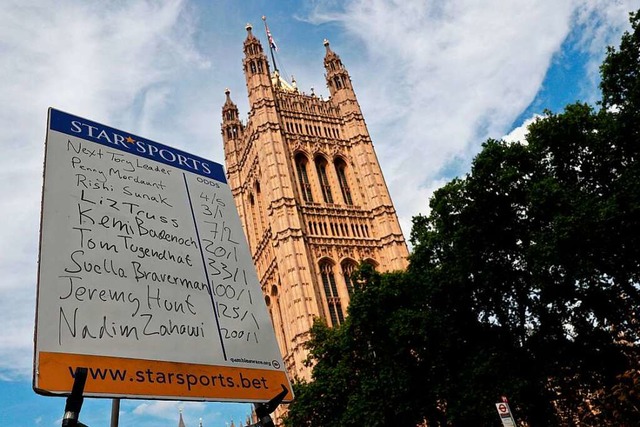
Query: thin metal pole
<point>115,412</point>
<point>269,38</point>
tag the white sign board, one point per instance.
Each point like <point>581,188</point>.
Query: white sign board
<point>505,414</point>
<point>145,277</point>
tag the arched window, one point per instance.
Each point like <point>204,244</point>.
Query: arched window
<point>331,293</point>
<point>371,262</point>
<point>260,207</point>
<point>303,178</point>
<point>321,168</point>
<point>254,234</point>
<point>341,171</point>
<point>277,319</point>
<point>348,267</point>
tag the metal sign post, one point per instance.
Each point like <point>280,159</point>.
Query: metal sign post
<point>115,412</point>
<point>74,401</point>
<point>264,410</point>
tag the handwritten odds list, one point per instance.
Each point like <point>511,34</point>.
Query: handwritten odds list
<point>143,258</point>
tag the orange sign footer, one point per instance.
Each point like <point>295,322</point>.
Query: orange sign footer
<point>152,379</point>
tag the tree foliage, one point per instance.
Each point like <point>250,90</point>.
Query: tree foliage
<point>365,369</point>
<point>523,281</point>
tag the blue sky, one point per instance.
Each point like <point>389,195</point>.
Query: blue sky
<point>434,80</point>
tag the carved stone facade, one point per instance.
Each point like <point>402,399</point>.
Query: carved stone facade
<point>311,197</point>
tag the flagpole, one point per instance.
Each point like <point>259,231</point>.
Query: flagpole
<point>115,412</point>
<point>270,42</point>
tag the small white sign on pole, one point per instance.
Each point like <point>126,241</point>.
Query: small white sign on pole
<point>505,414</point>
<point>145,277</point>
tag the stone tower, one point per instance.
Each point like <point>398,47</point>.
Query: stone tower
<point>311,196</point>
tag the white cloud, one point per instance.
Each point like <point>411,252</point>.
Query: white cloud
<point>91,58</point>
<point>168,410</point>
<point>219,414</point>
<point>448,75</point>
<point>520,133</point>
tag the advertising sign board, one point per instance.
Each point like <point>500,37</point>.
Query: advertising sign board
<point>145,277</point>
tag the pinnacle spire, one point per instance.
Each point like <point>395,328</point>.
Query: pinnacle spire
<point>330,55</point>
<point>337,75</point>
<point>228,101</point>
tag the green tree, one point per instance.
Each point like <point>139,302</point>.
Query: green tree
<point>366,370</point>
<point>541,242</point>
<point>524,281</point>
<point>534,242</point>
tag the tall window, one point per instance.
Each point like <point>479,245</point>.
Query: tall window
<point>261,212</point>
<point>341,171</point>
<point>303,178</point>
<point>372,263</point>
<point>348,267</point>
<point>254,219</point>
<point>321,168</point>
<point>331,293</point>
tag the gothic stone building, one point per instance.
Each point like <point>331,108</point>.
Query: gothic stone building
<point>311,197</point>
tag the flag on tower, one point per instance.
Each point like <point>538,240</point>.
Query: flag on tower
<point>272,43</point>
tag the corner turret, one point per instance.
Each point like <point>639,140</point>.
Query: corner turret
<point>256,68</point>
<point>231,126</point>
<point>232,129</point>
<point>342,94</point>
<point>337,76</point>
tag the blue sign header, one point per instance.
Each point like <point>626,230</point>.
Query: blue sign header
<point>129,143</point>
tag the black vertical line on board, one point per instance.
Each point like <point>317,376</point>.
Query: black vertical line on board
<point>204,265</point>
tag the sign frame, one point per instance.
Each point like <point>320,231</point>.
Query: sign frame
<point>103,273</point>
